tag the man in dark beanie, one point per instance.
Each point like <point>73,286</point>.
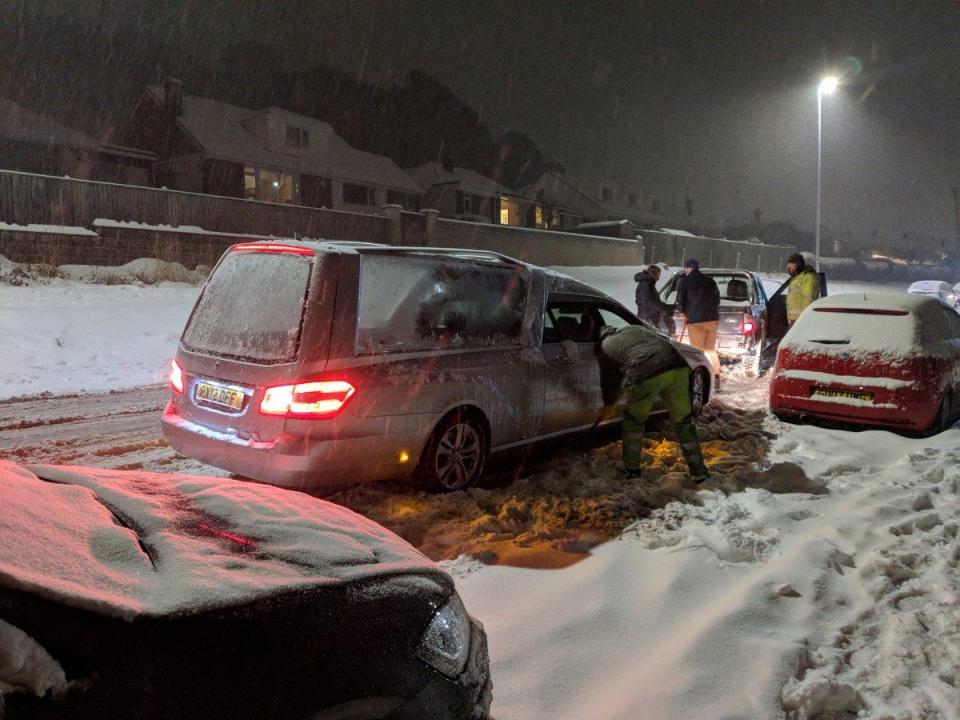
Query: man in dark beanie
<point>653,370</point>
<point>803,289</point>
<point>699,298</point>
<point>650,308</point>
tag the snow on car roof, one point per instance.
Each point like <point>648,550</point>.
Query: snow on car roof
<point>131,543</point>
<point>884,323</point>
<point>932,287</point>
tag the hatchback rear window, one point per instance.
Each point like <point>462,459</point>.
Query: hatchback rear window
<point>881,330</point>
<point>424,303</point>
<point>252,308</point>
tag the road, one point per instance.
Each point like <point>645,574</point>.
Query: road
<point>119,429</point>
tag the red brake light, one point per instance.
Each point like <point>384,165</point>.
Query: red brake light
<point>176,377</point>
<point>273,248</point>
<point>748,326</point>
<point>307,400</point>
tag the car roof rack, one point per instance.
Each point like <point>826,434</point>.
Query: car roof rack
<point>462,253</point>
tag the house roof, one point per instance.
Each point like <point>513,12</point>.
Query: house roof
<point>432,174</point>
<point>19,123</point>
<point>229,132</point>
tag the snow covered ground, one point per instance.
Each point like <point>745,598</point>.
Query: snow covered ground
<point>818,575</point>
<point>64,336</point>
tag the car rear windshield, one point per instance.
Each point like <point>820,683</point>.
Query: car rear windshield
<point>846,329</point>
<point>252,308</point>
<point>424,303</point>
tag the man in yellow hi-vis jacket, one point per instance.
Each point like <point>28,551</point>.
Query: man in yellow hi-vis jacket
<point>803,289</point>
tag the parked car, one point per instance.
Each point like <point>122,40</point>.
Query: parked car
<point>748,330</point>
<point>314,364</point>
<point>127,594</point>
<point>942,291</point>
<point>889,360</point>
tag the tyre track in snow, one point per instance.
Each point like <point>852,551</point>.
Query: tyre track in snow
<point>119,429</point>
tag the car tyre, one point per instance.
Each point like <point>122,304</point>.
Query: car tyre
<point>945,416</point>
<point>455,454</point>
<point>698,391</point>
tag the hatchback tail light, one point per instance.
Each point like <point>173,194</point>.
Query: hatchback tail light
<point>307,400</point>
<point>748,326</point>
<point>176,377</point>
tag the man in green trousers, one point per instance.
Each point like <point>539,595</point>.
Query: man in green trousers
<point>653,370</point>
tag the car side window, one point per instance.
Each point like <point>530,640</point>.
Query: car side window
<point>573,321</point>
<point>550,332</point>
<point>610,318</point>
<point>669,293</point>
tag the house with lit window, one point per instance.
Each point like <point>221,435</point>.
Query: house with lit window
<point>467,195</point>
<point>271,155</point>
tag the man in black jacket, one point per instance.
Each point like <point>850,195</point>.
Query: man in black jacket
<point>699,298</point>
<point>650,308</point>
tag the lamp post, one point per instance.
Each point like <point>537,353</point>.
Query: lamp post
<point>826,87</point>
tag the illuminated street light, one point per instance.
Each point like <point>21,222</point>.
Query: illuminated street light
<point>826,87</point>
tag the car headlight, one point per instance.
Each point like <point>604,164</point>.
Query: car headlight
<point>445,644</point>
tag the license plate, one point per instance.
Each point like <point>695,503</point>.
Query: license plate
<point>219,395</point>
<point>849,394</point>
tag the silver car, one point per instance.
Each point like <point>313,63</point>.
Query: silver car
<point>309,364</point>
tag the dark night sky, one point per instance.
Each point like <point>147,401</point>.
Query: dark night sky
<point>713,100</point>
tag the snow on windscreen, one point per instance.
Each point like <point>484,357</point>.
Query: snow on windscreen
<point>426,303</point>
<point>252,308</point>
<point>129,543</point>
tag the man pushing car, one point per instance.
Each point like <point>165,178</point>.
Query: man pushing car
<point>653,370</point>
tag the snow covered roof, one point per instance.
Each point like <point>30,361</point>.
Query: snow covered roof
<point>433,173</point>
<point>875,301</point>
<point>19,123</point>
<point>229,132</point>
<point>130,543</point>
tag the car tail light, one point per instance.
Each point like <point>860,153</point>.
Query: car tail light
<point>748,326</point>
<point>307,400</point>
<point>176,377</point>
<point>273,248</point>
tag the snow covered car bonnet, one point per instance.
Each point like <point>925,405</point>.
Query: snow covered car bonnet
<point>131,543</point>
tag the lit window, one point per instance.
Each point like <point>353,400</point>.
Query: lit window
<point>538,215</point>
<point>297,137</point>
<point>504,216</point>
<point>270,185</point>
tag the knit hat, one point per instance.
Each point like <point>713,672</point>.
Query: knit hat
<point>692,263</point>
<point>797,259</point>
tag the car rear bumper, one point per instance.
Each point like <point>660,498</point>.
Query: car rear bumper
<point>904,410</point>
<point>298,461</point>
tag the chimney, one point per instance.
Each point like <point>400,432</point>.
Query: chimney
<point>173,96</point>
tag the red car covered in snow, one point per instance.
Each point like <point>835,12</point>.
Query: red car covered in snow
<point>871,359</point>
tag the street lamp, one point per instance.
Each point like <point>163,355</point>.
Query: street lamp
<point>826,87</point>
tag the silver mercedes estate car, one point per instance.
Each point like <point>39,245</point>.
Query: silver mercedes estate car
<point>307,364</point>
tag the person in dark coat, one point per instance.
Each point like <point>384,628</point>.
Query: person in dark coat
<point>698,297</point>
<point>650,308</point>
<point>654,370</point>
